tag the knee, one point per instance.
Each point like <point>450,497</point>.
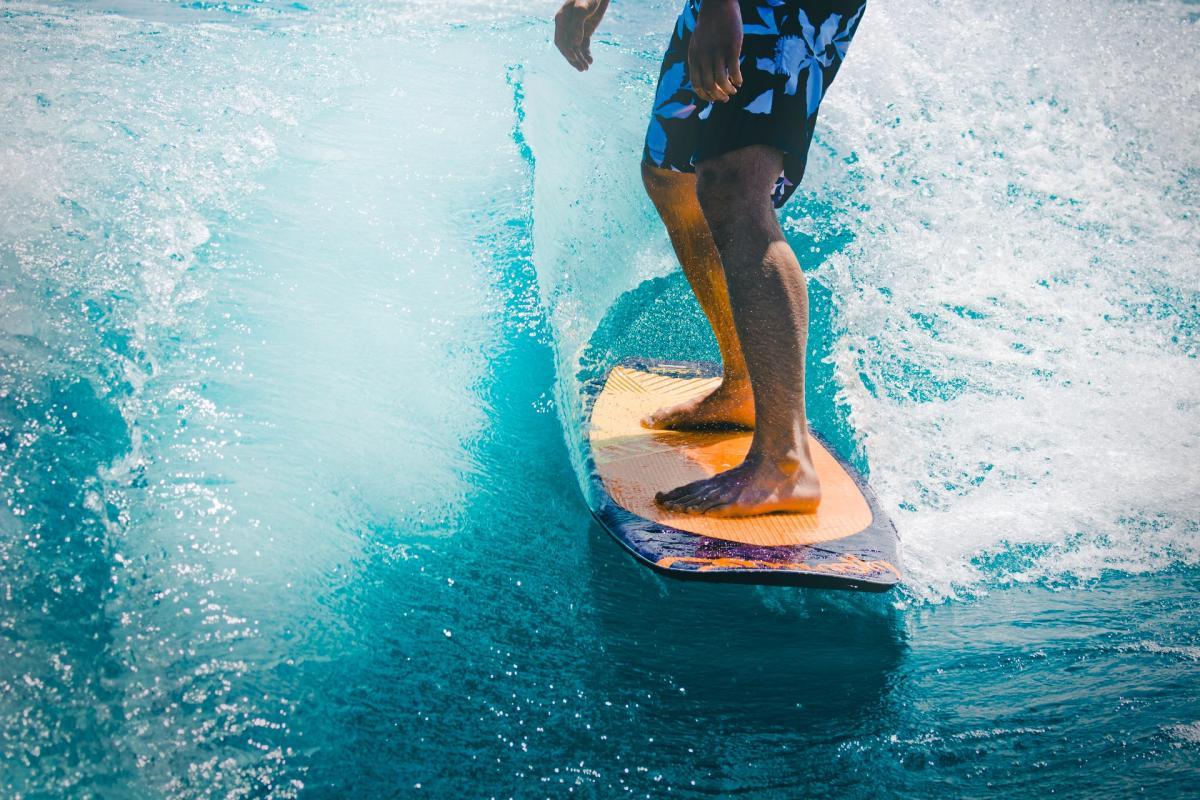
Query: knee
<point>738,184</point>
<point>723,192</point>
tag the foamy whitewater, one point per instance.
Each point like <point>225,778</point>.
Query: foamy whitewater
<point>296,300</point>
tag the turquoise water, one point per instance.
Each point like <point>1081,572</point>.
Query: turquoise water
<point>297,298</point>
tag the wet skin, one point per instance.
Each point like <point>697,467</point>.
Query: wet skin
<point>731,404</point>
<point>761,324</point>
<point>747,279</point>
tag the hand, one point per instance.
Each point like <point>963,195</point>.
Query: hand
<point>713,66</point>
<point>574,25</point>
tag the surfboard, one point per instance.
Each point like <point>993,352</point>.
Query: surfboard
<point>849,543</point>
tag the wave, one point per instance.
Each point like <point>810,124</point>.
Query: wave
<point>218,220</point>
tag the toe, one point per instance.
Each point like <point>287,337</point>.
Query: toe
<point>672,505</point>
<point>686,489</point>
<point>694,502</point>
<point>654,420</point>
<point>703,498</point>
<point>723,503</point>
<point>713,501</point>
<point>675,502</point>
<point>667,499</point>
<point>669,495</point>
<point>660,420</point>
<point>680,499</point>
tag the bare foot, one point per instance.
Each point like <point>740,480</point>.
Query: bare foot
<point>730,405</point>
<point>755,486</point>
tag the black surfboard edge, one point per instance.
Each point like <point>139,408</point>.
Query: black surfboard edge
<point>867,561</point>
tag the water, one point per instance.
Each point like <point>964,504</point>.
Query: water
<point>296,302</point>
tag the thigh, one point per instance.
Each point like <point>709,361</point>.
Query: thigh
<point>740,175</point>
<point>734,192</point>
<point>791,51</point>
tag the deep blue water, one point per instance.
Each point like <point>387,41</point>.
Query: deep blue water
<point>296,300</point>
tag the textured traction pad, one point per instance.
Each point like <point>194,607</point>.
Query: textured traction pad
<point>848,543</point>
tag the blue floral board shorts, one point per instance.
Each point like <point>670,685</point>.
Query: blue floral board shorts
<point>791,52</point>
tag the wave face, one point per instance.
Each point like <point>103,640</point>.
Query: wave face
<point>214,218</point>
<point>295,304</point>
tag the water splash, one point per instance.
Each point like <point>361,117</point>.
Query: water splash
<point>1006,242</point>
<point>274,390</point>
<point>122,579</point>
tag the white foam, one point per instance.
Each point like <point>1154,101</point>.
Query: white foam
<point>1185,733</point>
<point>1027,208</point>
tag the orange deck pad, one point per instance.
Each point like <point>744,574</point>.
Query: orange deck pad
<point>634,463</point>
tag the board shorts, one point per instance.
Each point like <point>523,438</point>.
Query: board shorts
<point>791,52</point>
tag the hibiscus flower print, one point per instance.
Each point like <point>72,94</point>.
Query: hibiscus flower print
<point>813,52</point>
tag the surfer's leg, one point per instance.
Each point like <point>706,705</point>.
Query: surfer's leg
<point>670,180</point>
<point>730,404</point>
<point>769,300</point>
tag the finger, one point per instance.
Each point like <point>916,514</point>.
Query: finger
<point>564,45</point>
<point>701,79</point>
<point>575,46</point>
<point>577,57</point>
<point>567,54</point>
<point>571,51</point>
<point>569,37</point>
<point>721,79</point>
<point>709,71</point>
<point>572,57</point>
<point>586,49</point>
<point>577,43</point>
<point>707,83</point>
<point>735,71</point>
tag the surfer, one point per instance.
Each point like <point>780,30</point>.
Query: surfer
<point>733,118</point>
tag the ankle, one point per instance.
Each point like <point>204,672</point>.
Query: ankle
<point>792,461</point>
